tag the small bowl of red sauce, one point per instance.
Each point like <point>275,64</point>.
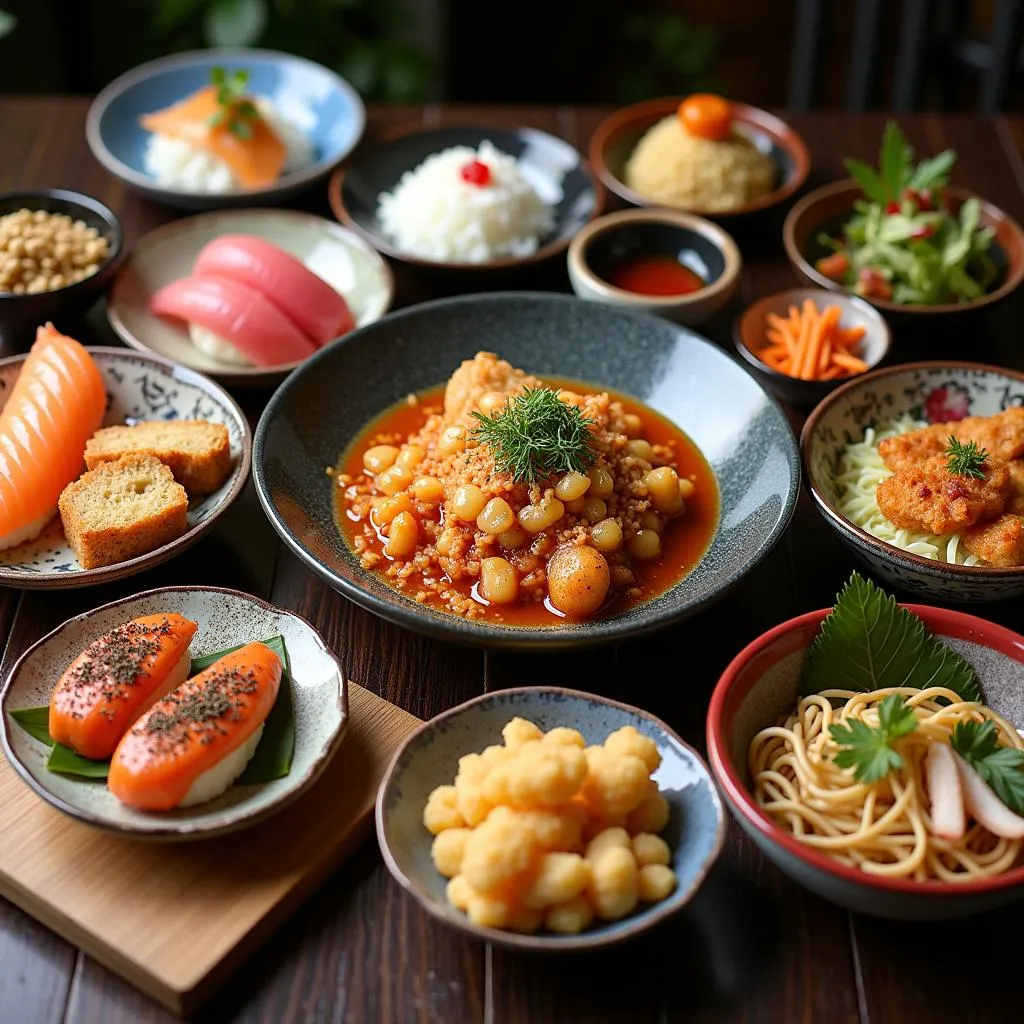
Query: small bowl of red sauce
<point>676,264</point>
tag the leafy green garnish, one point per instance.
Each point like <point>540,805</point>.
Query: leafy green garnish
<point>965,459</point>
<point>271,760</point>
<point>236,112</point>
<point>536,436</point>
<point>868,642</point>
<point>1002,768</point>
<point>869,749</point>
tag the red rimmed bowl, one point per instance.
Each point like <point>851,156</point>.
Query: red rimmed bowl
<point>615,138</point>
<point>759,687</point>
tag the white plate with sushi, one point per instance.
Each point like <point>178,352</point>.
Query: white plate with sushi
<point>246,295</point>
<point>181,713</point>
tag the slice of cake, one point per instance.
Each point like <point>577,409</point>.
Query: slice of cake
<point>122,509</point>
<point>197,452</point>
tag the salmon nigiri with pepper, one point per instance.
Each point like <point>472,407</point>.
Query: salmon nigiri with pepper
<point>116,678</point>
<point>190,746</point>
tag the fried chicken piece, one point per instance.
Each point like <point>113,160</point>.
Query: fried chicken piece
<point>998,542</point>
<point>1015,497</point>
<point>1001,435</point>
<point>926,497</point>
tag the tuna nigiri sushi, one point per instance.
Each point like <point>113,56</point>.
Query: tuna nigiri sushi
<point>192,745</point>
<point>307,299</point>
<point>116,678</point>
<point>55,406</point>
<point>232,322</point>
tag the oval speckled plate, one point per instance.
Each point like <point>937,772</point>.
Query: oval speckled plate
<point>226,619</point>
<point>139,387</point>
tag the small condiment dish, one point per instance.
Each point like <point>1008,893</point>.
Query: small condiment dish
<point>227,618</point>
<point>615,138</point>
<point>749,337</point>
<point>429,757</point>
<point>21,315</point>
<point>926,392</point>
<point>759,688</point>
<point>697,245</point>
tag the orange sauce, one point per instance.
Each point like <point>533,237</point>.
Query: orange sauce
<point>684,539</point>
<point>655,275</point>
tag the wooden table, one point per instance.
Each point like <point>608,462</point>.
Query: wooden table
<point>751,946</point>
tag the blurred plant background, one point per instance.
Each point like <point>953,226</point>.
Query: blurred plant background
<point>679,57</point>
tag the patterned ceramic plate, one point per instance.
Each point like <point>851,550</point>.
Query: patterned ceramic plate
<point>227,618</point>
<point>935,392</point>
<point>430,757</point>
<point>139,387</point>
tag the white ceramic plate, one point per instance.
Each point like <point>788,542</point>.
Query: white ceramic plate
<point>226,618</point>
<point>139,387</point>
<point>338,255</point>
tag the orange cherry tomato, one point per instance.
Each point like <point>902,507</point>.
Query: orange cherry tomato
<point>706,116</point>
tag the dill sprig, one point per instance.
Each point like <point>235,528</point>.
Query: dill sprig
<point>235,112</point>
<point>537,435</point>
<point>965,459</point>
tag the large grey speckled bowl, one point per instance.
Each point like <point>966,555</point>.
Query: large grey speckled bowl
<point>226,618</point>
<point>328,400</point>
<point>429,757</point>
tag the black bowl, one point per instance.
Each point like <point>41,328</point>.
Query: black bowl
<point>20,315</point>
<point>354,190</point>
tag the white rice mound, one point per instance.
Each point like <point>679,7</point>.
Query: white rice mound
<point>177,164</point>
<point>434,215</point>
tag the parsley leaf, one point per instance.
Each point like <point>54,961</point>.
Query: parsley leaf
<point>1001,767</point>
<point>868,749</point>
<point>868,642</point>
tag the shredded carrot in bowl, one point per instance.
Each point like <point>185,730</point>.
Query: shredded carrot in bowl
<point>811,344</point>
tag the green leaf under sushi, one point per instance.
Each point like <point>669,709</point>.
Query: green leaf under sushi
<point>271,760</point>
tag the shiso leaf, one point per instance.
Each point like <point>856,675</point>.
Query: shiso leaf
<point>868,642</point>
<point>271,760</point>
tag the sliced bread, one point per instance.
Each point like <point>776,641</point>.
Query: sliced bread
<point>197,452</point>
<point>122,509</point>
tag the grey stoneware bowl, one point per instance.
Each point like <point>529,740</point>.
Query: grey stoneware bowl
<point>759,688</point>
<point>429,757</point>
<point>20,315</point>
<point>139,387</point>
<point>921,393</point>
<point>749,337</point>
<point>226,618</point>
<point>696,243</point>
<point>322,407</point>
<point>557,171</point>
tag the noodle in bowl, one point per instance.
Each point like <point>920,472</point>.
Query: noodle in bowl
<point>864,846</point>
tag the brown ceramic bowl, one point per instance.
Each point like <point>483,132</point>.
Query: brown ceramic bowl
<point>749,337</point>
<point>826,209</point>
<point>616,136</point>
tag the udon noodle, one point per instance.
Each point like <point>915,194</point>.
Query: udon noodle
<point>883,827</point>
<point>861,470</point>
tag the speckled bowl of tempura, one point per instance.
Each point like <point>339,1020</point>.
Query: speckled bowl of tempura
<point>842,470</point>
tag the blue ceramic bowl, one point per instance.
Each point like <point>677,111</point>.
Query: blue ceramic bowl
<point>932,392</point>
<point>429,757</point>
<point>323,104</point>
<point>332,396</point>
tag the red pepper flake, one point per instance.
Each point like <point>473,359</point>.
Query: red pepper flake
<point>892,207</point>
<point>476,173</point>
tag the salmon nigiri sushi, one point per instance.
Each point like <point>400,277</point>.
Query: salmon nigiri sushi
<point>192,745</point>
<point>232,322</point>
<point>116,678</point>
<point>57,403</point>
<point>303,296</point>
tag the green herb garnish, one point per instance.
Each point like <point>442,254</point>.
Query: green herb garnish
<point>536,436</point>
<point>271,760</point>
<point>869,749</point>
<point>965,459</point>
<point>236,113</point>
<point>868,642</point>
<point>1002,768</point>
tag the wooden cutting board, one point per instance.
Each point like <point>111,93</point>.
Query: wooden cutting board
<point>175,919</point>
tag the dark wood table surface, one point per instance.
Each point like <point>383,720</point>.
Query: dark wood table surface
<point>751,946</point>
